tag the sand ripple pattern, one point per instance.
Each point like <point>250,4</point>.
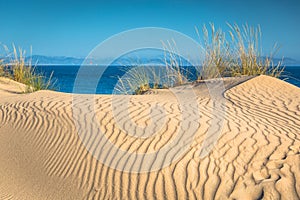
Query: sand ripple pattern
<point>257,155</point>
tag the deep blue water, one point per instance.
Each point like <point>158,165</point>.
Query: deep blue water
<point>66,75</point>
<point>292,75</point>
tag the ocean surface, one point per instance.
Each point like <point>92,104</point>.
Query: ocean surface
<point>65,76</point>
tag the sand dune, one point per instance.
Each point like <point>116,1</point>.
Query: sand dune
<point>257,154</point>
<point>9,87</point>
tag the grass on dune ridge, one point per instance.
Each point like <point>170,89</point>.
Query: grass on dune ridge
<point>20,70</point>
<point>249,60</point>
<point>237,52</point>
<point>139,77</point>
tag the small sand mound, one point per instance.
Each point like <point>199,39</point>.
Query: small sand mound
<point>9,87</point>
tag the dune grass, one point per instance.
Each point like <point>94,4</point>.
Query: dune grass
<point>24,72</point>
<point>139,77</point>
<point>218,57</point>
<point>248,56</point>
<point>175,73</point>
<point>136,81</point>
<point>237,52</point>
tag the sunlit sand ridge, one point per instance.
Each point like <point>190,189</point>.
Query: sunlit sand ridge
<point>256,156</point>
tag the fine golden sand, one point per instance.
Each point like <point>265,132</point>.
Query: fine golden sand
<point>256,156</point>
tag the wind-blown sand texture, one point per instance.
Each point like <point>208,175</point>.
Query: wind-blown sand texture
<point>257,155</point>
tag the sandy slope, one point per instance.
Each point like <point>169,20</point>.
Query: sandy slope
<point>257,155</point>
<point>9,87</point>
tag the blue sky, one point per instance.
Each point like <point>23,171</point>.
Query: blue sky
<point>74,28</point>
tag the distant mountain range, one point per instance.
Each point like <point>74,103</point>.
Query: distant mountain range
<point>63,60</point>
<point>54,60</point>
<point>287,61</point>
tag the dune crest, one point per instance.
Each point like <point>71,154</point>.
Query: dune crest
<point>10,87</point>
<point>256,156</point>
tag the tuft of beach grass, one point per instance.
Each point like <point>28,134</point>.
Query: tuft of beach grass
<point>218,58</point>
<point>140,77</point>
<point>24,72</point>
<point>246,42</point>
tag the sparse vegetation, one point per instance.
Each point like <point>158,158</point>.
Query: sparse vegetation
<point>240,54</point>
<point>21,71</point>
<point>247,53</point>
<point>136,81</point>
<point>236,54</point>
<point>139,79</point>
<point>218,54</point>
<point>176,74</point>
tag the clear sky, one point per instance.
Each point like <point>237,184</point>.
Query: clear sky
<point>74,28</point>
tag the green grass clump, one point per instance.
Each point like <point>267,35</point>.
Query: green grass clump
<point>21,71</point>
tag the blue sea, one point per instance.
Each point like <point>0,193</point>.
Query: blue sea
<point>65,76</point>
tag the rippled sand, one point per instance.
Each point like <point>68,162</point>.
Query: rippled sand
<point>257,154</point>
